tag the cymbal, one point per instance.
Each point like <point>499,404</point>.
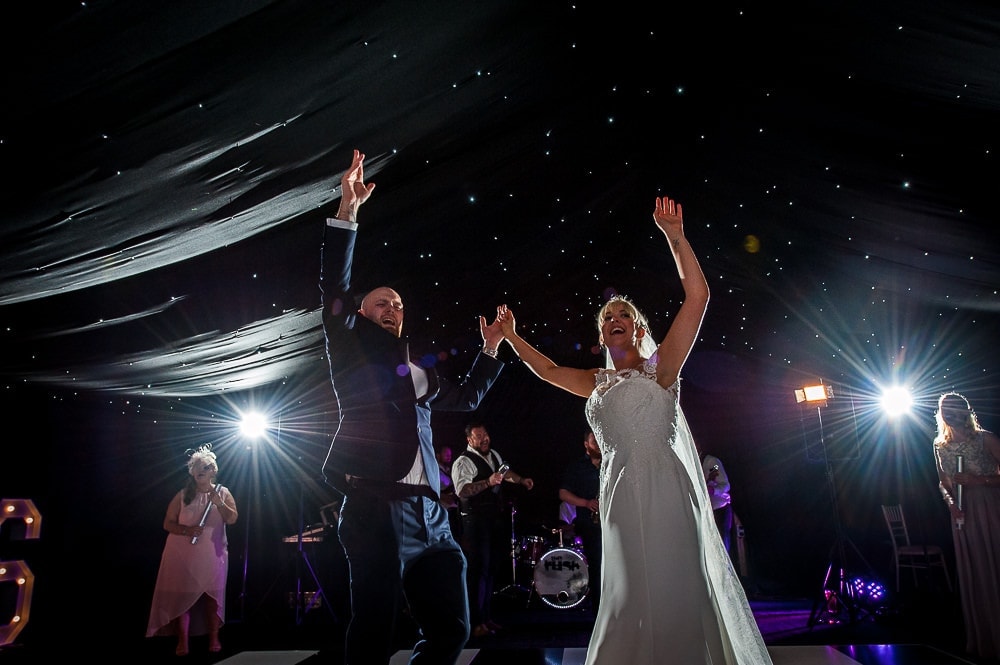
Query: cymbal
<point>557,528</point>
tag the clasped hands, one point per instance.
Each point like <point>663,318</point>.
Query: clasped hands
<point>497,331</point>
<point>502,326</point>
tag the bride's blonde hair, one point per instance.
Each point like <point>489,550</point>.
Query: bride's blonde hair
<point>640,319</point>
<point>647,345</point>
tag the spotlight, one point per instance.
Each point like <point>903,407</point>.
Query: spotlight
<point>253,425</point>
<point>896,401</point>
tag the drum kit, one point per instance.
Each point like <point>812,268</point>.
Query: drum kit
<point>559,573</point>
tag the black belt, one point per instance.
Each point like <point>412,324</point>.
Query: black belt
<point>388,489</point>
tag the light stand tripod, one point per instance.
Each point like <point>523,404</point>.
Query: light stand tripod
<point>838,597</point>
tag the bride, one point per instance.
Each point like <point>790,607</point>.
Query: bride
<point>669,594</point>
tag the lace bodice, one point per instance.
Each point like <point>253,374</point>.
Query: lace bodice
<point>977,460</point>
<point>629,407</point>
<point>606,378</point>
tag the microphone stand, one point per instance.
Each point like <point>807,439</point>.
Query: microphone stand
<point>513,586</point>
<point>959,467</point>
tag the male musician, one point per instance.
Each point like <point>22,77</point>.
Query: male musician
<point>580,486</point>
<point>478,473</point>
<point>717,481</point>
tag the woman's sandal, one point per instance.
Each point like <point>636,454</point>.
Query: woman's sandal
<point>181,650</point>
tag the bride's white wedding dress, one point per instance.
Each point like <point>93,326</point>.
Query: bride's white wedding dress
<point>669,594</point>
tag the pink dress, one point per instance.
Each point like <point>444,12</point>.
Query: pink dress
<point>187,571</point>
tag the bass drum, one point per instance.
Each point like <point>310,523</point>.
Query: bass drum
<point>561,578</point>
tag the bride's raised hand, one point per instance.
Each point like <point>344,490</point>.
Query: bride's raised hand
<point>506,318</point>
<point>669,216</point>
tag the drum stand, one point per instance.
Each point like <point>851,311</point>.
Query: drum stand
<point>513,586</point>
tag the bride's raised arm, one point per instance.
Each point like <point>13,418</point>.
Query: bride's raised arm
<point>577,381</point>
<point>676,346</point>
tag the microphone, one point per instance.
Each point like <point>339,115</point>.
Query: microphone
<point>960,467</point>
<point>204,516</point>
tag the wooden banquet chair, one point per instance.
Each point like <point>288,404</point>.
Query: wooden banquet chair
<point>909,555</point>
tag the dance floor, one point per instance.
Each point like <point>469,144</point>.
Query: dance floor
<point>925,630</point>
<point>796,632</point>
<point>780,655</point>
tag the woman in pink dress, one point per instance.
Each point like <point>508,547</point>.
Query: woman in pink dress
<point>190,593</point>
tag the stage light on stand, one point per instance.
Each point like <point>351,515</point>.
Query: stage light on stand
<point>253,425</point>
<point>817,394</point>
<point>838,600</point>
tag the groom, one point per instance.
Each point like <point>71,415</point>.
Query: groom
<point>393,528</point>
